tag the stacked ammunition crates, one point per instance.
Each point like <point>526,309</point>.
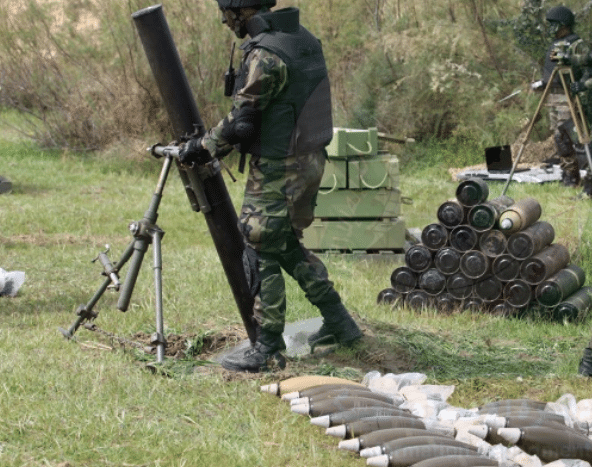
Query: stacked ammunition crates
<point>490,255</point>
<point>359,202</point>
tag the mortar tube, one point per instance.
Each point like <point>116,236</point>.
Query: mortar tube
<point>184,116</point>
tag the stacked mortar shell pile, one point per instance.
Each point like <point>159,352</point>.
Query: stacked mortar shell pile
<point>383,430</point>
<point>492,255</point>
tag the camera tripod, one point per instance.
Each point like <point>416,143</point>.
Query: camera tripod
<point>577,114</point>
<point>144,232</point>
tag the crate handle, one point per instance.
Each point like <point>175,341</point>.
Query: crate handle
<point>330,190</point>
<point>360,151</point>
<point>374,187</point>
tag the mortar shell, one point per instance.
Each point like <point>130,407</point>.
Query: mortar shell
<point>432,281</point>
<point>321,389</point>
<point>544,264</point>
<point>352,415</point>
<point>530,241</point>
<point>337,404</point>
<point>562,284</point>
<point>484,216</point>
<point>368,425</point>
<point>520,215</point>
<point>394,445</point>
<point>518,293</point>
<point>403,279</point>
<point>457,461</point>
<point>300,383</point>
<point>376,438</point>
<point>472,191</point>
<point>459,286</point>
<point>388,296</point>
<point>434,236</point>
<point>515,404</point>
<point>576,305</point>
<point>493,243</point>
<point>405,457</point>
<point>463,238</point>
<point>534,418</point>
<point>474,264</point>
<point>489,288</point>
<point>549,444</point>
<point>418,258</point>
<point>505,267</point>
<point>341,393</point>
<point>451,213</point>
<point>447,260</point>
<point>370,445</point>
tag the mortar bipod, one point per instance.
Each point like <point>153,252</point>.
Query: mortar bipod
<point>145,232</point>
<point>577,114</point>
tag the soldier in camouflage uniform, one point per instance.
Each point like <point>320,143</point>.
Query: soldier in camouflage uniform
<point>561,21</point>
<point>281,115</point>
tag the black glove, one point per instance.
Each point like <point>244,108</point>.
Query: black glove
<point>577,87</point>
<point>192,152</point>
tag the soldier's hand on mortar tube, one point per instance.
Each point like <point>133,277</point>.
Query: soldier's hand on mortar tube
<point>193,152</point>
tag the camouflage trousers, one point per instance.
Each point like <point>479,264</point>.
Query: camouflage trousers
<point>280,197</point>
<point>561,124</point>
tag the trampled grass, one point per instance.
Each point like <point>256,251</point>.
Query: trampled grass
<point>92,402</point>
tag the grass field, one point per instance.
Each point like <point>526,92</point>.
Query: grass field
<point>92,402</point>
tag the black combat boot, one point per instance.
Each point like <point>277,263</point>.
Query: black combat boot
<point>262,356</point>
<point>570,178</point>
<point>338,327</point>
<point>585,367</point>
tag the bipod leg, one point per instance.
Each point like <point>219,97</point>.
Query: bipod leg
<point>158,338</point>
<point>85,312</point>
<point>529,131</point>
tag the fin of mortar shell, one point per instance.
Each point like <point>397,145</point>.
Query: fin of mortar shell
<point>378,461</point>
<point>338,431</point>
<point>323,421</point>
<point>352,445</point>
<point>302,409</point>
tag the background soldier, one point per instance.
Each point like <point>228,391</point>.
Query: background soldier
<point>281,115</point>
<point>561,21</point>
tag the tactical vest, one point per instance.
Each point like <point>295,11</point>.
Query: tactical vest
<point>298,121</point>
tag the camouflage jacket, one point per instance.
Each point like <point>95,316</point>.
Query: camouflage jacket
<point>266,78</point>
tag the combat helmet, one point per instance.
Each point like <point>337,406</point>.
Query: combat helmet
<point>561,15</point>
<point>224,4</point>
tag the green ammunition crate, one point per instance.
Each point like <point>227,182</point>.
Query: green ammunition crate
<point>385,234</point>
<point>352,142</point>
<point>369,172</point>
<point>358,204</point>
